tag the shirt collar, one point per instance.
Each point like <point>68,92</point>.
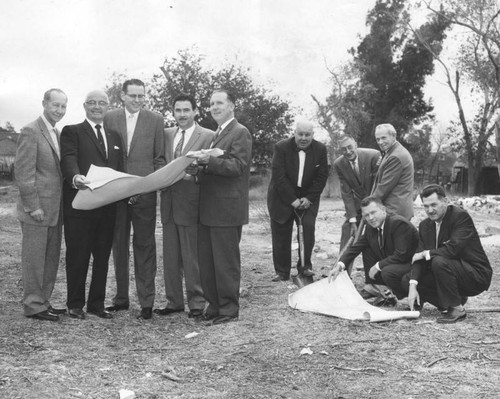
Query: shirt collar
<point>224,125</point>
<point>189,131</point>
<point>128,114</point>
<point>47,123</point>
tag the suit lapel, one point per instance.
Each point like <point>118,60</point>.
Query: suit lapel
<point>139,127</point>
<point>224,132</point>
<point>122,128</point>
<point>192,140</point>
<point>46,135</point>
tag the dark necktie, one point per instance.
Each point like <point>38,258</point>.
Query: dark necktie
<point>178,148</point>
<point>355,168</point>
<point>380,238</point>
<point>100,139</point>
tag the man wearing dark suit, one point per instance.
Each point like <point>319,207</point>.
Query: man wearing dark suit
<point>451,264</point>
<point>141,132</point>
<point>299,174</point>
<point>90,232</point>
<point>388,244</point>
<point>39,178</point>
<point>356,168</point>
<point>394,182</point>
<point>223,210</point>
<point>180,213</point>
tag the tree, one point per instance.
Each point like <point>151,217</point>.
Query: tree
<point>267,116</point>
<point>383,83</point>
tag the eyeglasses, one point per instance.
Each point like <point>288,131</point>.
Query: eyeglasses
<point>137,96</point>
<point>94,103</point>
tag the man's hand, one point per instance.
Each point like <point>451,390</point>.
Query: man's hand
<point>38,215</point>
<point>304,203</point>
<point>418,256</point>
<point>296,203</point>
<point>353,228</point>
<point>192,169</point>
<point>336,270</point>
<point>373,271</point>
<point>80,182</point>
<point>203,159</point>
<point>134,200</point>
<point>413,296</point>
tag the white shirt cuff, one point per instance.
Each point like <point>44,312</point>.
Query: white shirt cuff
<point>352,220</point>
<point>414,282</point>
<point>427,255</point>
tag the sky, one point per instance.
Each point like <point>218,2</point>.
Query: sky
<point>76,45</point>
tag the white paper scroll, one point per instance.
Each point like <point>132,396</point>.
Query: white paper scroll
<point>341,299</point>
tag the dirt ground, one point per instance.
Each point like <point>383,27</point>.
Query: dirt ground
<point>256,357</point>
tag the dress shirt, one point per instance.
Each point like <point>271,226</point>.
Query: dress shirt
<point>302,162</point>
<point>187,135</point>
<point>103,133</point>
<point>131,120</point>
<point>54,135</point>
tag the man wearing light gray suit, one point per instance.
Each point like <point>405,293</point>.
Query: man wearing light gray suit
<point>180,213</point>
<point>356,168</point>
<point>394,182</point>
<point>223,210</point>
<point>39,178</point>
<point>143,142</point>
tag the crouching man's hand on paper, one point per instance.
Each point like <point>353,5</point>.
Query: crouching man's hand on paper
<point>336,270</point>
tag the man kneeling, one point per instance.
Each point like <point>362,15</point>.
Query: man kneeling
<point>387,244</point>
<point>451,264</point>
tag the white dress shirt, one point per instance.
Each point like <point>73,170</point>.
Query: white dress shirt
<point>103,133</point>
<point>302,162</point>
<point>187,135</point>
<point>131,120</point>
<point>54,135</point>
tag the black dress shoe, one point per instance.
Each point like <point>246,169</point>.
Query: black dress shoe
<point>56,311</point>
<point>146,313</point>
<point>280,277</point>
<point>116,308</point>
<point>382,301</point>
<point>224,319</point>
<point>207,317</point>
<point>76,313</point>
<point>103,314</point>
<point>45,315</point>
<point>195,313</point>
<point>167,311</point>
<point>452,316</point>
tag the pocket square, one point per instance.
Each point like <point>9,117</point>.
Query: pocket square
<point>317,166</point>
<point>116,147</point>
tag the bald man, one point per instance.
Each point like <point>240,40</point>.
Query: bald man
<point>88,232</point>
<point>299,174</point>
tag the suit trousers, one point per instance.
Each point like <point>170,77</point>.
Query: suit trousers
<point>392,275</point>
<point>446,281</point>
<point>344,238</point>
<point>86,236</point>
<point>220,268</point>
<point>40,253</point>
<point>282,243</point>
<point>180,253</point>
<point>369,259</point>
<point>143,221</point>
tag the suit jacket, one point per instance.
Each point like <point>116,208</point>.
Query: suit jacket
<point>458,239</point>
<point>38,175</point>
<point>180,201</point>
<point>353,189</point>
<point>400,242</point>
<point>224,181</point>
<point>394,181</point>
<point>79,150</point>
<point>147,149</point>
<point>283,189</point>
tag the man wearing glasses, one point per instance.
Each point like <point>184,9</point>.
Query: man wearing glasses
<point>141,132</point>
<point>88,232</point>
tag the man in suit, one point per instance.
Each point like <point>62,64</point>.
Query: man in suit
<point>180,213</point>
<point>142,136</point>
<point>451,264</point>
<point>387,244</point>
<point>223,210</point>
<point>39,178</point>
<point>394,181</point>
<point>356,168</point>
<point>299,174</point>
<point>88,232</point>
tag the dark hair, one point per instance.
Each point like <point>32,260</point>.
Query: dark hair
<point>48,93</point>
<point>345,137</point>
<point>185,97</point>
<point>230,95</point>
<point>369,200</point>
<point>132,82</point>
<point>427,191</point>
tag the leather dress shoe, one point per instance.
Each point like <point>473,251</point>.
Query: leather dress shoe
<point>167,311</point>
<point>452,316</point>
<point>207,317</point>
<point>56,310</point>
<point>102,313</point>
<point>45,315</point>
<point>195,313</point>
<point>76,313</point>
<point>146,313</point>
<point>381,301</point>
<point>366,294</point>
<point>116,308</point>
<point>280,277</point>
<point>223,319</point>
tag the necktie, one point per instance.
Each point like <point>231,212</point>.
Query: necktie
<point>55,139</point>
<point>100,139</point>
<point>380,238</point>
<point>215,136</point>
<point>178,148</point>
<point>355,167</point>
<point>438,227</point>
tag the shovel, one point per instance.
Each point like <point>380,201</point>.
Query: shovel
<point>300,280</point>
